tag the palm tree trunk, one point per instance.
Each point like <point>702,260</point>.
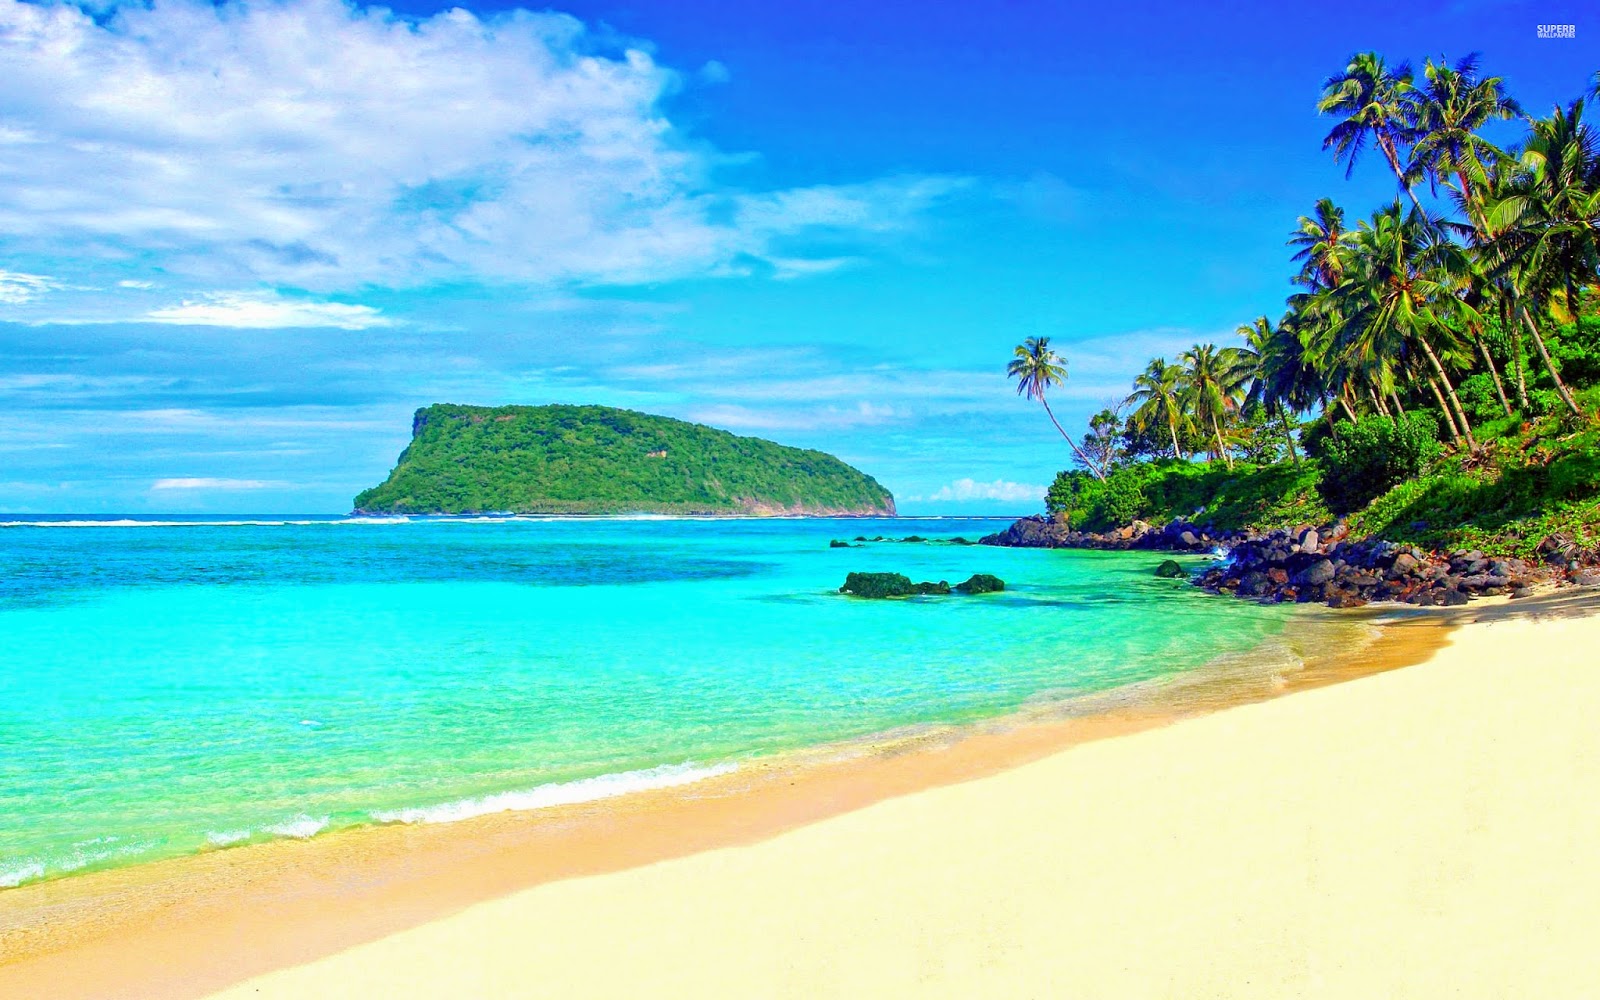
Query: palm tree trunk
<point>1345,404</point>
<point>1172,426</point>
<point>1378,404</point>
<point>1444,408</point>
<point>1398,406</point>
<point>1499,387</point>
<point>1288,434</point>
<point>1393,155</point>
<point>1450,390</point>
<point>1538,342</point>
<point>1221,451</point>
<point>1098,474</point>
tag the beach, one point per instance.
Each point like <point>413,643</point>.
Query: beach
<point>1412,832</point>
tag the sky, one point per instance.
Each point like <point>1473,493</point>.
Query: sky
<point>240,243</point>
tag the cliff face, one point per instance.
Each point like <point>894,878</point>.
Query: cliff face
<point>599,460</point>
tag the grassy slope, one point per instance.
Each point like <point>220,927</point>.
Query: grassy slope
<point>596,459</point>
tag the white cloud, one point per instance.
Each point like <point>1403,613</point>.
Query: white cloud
<point>266,312</point>
<point>136,284</point>
<point>322,145</point>
<point>963,490</point>
<point>215,484</point>
<point>735,417</point>
<point>17,288</point>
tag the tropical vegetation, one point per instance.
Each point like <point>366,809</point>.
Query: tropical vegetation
<point>1435,374</point>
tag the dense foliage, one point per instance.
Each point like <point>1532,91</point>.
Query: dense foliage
<point>1436,376</point>
<point>1360,460</point>
<point>599,460</point>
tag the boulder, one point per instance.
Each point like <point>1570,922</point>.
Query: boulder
<point>981,583</point>
<point>1404,563</point>
<point>1170,569</point>
<point>1315,574</point>
<point>877,585</point>
<point>837,544</point>
<point>1309,540</point>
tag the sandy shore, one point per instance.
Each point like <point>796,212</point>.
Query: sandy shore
<point>1421,832</point>
<point>1426,832</point>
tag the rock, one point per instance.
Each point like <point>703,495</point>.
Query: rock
<point>1316,573</point>
<point>1404,563</point>
<point>1170,569</point>
<point>1278,575</point>
<point>981,583</point>
<point>1521,592</point>
<point>878,585</point>
<point>1189,540</point>
<point>1309,539</point>
<point>837,544</point>
<point>1345,599</point>
<point>913,538</point>
<point>1254,584</point>
<point>1587,579</point>
<point>1454,598</point>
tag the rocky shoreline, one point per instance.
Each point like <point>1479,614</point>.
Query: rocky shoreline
<point>1324,565</point>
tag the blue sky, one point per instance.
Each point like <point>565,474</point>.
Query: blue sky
<point>239,244</point>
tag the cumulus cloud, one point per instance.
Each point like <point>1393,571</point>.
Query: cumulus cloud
<point>964,490</point>
<point>738,417</point>
<point>323,145</point>
<point>266,312</point>
<point>203,483</point>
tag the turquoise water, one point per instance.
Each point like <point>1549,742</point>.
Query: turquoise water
<point>168,688</point>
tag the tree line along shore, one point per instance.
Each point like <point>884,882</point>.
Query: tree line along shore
<point>1432,385</point>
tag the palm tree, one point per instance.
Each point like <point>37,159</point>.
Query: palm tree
<point>1399,292</point>
<point>1316,240</point>
<point>1454,105</point>
<point>1037,368</point>
<point>1279,375</point>
<point>1377,103</point>
<point>1155,400</point>
<point>1212,387</point>
<point>1545,231</point>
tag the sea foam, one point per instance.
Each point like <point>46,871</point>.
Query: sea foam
<point>563,793</point>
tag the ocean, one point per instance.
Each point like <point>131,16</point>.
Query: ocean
<point>168,687</point>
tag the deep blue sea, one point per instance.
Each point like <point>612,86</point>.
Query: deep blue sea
<point>168,687</point>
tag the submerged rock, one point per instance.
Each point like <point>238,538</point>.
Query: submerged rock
<point>838,544</point>
<point>1170,570</point>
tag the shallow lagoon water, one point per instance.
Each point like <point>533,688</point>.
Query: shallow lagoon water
<point>170,687</point>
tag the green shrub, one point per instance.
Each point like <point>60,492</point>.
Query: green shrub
<point>1364,459</point>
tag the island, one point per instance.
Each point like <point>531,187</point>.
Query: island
<point>563,459</point>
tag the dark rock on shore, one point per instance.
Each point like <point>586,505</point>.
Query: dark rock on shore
<point>1323,564</point>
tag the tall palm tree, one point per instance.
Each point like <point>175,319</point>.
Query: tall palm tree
<point>1456,102</point>
<point>1377,103</point>
<point>1037,368</point>
<point>1450,109</point>
<point>1155,401</point>
<point>1402,275</point>
<point>1545,232</point>
<point>1212,388</point>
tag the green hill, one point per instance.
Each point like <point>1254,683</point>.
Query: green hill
<point>599,460</point>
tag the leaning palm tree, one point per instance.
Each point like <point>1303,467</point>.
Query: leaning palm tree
<point>1212,389</point>
<point>1155,401</point>
<point>1376,103</point>
<point>1037,368</point>
<point>1545,232</point>
<point>1277,373</point>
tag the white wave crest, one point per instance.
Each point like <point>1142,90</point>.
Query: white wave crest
<point>563,793</point>
<point>10,878</point>
<point>300,827</point>
<point>222,838</point>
